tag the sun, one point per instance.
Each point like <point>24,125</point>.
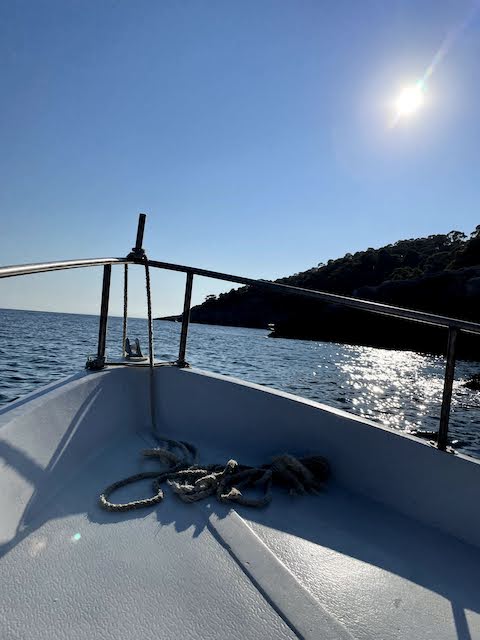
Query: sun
<point>409,101</point>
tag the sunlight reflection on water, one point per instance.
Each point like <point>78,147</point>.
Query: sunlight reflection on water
<point>396,387</point>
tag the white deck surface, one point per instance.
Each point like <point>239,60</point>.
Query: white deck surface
<point>341,567</point>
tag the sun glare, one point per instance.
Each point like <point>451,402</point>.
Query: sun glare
<point>409,101</point>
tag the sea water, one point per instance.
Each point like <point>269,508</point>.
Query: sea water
<point>400,389</point>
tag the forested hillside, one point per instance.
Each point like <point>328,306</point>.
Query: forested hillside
<point>439,273</point>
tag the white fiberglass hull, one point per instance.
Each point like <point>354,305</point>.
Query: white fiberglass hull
<point>391,549</point>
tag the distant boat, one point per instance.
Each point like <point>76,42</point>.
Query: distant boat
<point>390,548</point>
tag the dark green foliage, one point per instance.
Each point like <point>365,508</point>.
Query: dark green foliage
<point>405,273</point>
<point>469,254</point>
<point>405,259</point>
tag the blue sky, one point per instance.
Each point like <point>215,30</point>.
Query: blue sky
<point>255,134</point>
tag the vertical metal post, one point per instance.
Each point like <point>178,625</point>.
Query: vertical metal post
<point>442,438</point>
<point>185,321</point>
<point>137,252</point>
<point>125,308</point>
<point>102,330</point>
<point>140,229</point>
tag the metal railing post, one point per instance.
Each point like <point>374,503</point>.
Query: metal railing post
<point>140,230</point>
<point>137,252</point>
<point>125,309</point>
<point>181,362</point>
<point>102,329</point>
<point>442,438</point>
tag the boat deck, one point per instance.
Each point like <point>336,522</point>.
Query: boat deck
<point>328,566</point>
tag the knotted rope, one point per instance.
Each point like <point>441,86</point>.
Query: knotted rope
<point>151,354</point>
<point>192,482</point>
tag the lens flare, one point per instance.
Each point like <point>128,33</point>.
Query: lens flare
<point>409,101</point>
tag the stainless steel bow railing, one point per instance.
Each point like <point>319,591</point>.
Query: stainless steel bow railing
<point>454,326</point>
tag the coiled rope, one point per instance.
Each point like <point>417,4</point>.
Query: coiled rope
<point>192,482</point>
